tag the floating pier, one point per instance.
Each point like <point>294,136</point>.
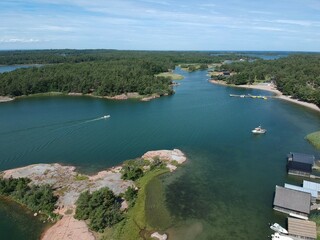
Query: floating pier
<point>249,96</point>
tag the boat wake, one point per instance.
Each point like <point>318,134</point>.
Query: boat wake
<point>45,136</point>
<point>97,119</point>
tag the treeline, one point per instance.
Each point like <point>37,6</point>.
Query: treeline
<point>296,75</point>
<point>77,56</point>
<point>99,78</point>
<point>98,72</point>
<point>36,198</point>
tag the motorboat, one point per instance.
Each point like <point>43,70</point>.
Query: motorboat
<point>106,116</point>
<point>259,130</point>
<point>278,236</point>
<point>277,228</point>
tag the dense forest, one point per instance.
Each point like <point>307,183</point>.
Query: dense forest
<point>77,56</point>
<point>96,72</point>
<point>296,75</point>
<point>99,78</point>
<point>113,72</point>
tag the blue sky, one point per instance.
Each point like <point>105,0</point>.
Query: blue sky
<point>287,25</point>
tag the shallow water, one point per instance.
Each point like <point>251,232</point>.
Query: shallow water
<point>225,191</point>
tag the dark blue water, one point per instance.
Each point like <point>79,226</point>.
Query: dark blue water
<point>225,191</point>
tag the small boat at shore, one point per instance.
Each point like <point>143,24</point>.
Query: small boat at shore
<point>259,130</point>
<point>106,116</point>
<point>277,228</point>
<point>278,236</point>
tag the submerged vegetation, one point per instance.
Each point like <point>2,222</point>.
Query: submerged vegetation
<point>314,139</point>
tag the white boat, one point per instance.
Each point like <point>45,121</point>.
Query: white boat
<point>106,116</point>
<point>277,236</point>
<point>259,130</point>
<point>277,228</point>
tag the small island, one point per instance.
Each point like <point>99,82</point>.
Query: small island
<point>107,205</point>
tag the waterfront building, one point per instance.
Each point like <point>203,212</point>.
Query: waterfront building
<point>302,229</point>
<point>291,201</point>
<point>300,164</point>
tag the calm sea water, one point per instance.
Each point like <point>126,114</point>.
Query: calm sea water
<point>225,191</point>
<point>14,67</point>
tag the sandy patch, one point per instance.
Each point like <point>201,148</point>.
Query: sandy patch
<point>68,228</point>
<point>273,89</point>
<point>5,99</point>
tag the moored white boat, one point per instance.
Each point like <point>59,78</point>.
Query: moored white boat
<point>277,228</point>
<point>277,236</point>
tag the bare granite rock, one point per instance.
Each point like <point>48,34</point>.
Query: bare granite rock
<point>159,236</point>
<point>68,184</point>
<point>170,157</point>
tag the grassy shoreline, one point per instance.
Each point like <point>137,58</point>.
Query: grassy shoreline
<point>314,139</point>
<point>136,225</point>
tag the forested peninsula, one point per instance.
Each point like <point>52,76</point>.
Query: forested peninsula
<point>113,72</point>
<point>96,72</point>
<point>297,76</point>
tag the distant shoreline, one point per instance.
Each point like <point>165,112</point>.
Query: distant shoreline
<point>123,96</point>
<point>270,88</point>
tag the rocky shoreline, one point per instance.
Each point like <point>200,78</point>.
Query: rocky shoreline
<point>5,99</point>
<point>124,96</point>
<point>68,184</point>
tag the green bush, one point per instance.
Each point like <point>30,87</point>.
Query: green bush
<point>101,208</point>
<point>130,195</point>
<point>132,169</point>
<point>36,198</point>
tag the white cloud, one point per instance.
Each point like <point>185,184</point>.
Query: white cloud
<point>54,28</point>
<point>19,40</point>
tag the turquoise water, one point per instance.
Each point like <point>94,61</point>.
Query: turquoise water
<point>225,191</point>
